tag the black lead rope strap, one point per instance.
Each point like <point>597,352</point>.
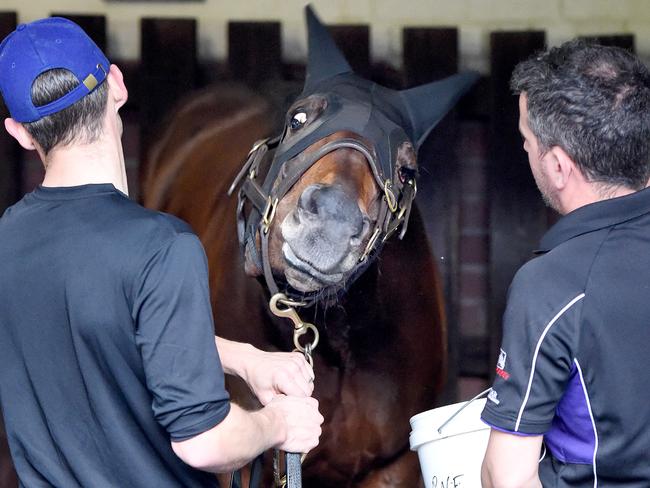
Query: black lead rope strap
<point>282,306</point>
<point>292,478</point>
<point>294,473</point>
<point>256,475</point>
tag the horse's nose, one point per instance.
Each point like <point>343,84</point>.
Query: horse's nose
<point>334,210</point>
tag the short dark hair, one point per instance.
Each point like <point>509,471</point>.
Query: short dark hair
<point>80,122</point>
<point>593,101</point>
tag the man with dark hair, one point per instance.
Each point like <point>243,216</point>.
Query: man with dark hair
<point>110,374</point>
<point>573,374</point>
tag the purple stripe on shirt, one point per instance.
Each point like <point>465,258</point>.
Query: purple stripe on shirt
<point>571,437</point>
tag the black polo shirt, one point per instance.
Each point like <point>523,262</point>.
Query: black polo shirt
<point>106,341</point>
<point>574,362</point>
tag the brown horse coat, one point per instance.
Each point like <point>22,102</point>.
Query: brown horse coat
<point>382,353</point>
<point>7,472</point>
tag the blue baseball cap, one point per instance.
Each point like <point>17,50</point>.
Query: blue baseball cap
<point>40,46</point>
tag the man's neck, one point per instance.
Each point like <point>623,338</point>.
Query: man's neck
<point>74,165</point>
<point>591,193</point>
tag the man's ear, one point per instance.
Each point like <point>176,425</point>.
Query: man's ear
<point>117,88</point>
<point>561,167</point>
<point>18,132</point>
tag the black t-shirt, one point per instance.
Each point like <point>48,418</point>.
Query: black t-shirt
<point>574,362</point>
<point>106,341</point>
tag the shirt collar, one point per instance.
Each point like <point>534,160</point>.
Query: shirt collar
<point>596,216</point>
<point>73,192</point>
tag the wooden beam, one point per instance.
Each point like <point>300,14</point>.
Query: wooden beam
<point>354,42</point>
<point>626,41</point>
<point>168,70</point>
<point>10,153</point>
<point>93,25</point>
<point>518,216</point>
<point>430,54</point>
<point>255,51</point>
<point>10,192</point>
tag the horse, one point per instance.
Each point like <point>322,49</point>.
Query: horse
<point>313,222</point>
<point>7,473</point>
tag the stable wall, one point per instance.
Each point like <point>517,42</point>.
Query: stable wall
<point>475,19</point>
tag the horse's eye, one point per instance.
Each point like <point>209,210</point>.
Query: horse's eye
<point>298,120</point>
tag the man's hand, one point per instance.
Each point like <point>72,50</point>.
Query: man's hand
<point>301,419</point>
<point>289,420</point>
<point>289,423</point>
<point>267,374</point>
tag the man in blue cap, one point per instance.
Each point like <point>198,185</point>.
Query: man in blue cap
<point>110,374</point>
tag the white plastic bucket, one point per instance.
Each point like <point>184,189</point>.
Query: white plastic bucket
<point>451,456</point>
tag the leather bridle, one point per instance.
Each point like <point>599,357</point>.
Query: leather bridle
<point>264,197</point>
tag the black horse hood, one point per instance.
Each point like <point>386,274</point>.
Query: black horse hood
<point>384,122</point>
<point>383,117</point>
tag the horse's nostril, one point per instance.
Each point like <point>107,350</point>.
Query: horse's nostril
<point>309,200</point>
<point>329,202</point>
<point>356,239</point>
<point>335,212</point>
<point>312,203</point>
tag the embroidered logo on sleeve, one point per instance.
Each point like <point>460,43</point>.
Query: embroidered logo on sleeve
<point>501,365</point>
<point>492,396</point>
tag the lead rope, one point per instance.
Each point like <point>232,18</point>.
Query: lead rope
<point>293,461</point>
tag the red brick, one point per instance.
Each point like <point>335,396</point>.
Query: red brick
<point>131,139</point>
<point>472,319</point>
<point>473,282</point>
<point>473,180</point>
<point>470,386</point>
<point>473,248</point>
<point>472,140</point>
<point>474,212</point>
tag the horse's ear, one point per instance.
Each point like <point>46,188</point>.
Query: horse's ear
<point>428,104</point>
<point>324,58</point>
<point>406,164</point>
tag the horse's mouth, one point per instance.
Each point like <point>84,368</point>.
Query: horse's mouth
<point>303,276</point>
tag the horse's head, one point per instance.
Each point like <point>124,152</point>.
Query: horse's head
<point>341,178</point>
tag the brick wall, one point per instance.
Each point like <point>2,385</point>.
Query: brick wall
<point>473,256</point>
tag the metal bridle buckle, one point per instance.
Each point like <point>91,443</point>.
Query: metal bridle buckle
<point>257,145</point>
<point>269,214</point>
<point>371,244</point>
<point>390,196</point>
<point>402,210</point>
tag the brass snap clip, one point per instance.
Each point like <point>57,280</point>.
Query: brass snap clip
<point>300,328</point>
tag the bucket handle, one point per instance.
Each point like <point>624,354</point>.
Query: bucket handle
<point>466,404</point>
<point>481,395</point>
